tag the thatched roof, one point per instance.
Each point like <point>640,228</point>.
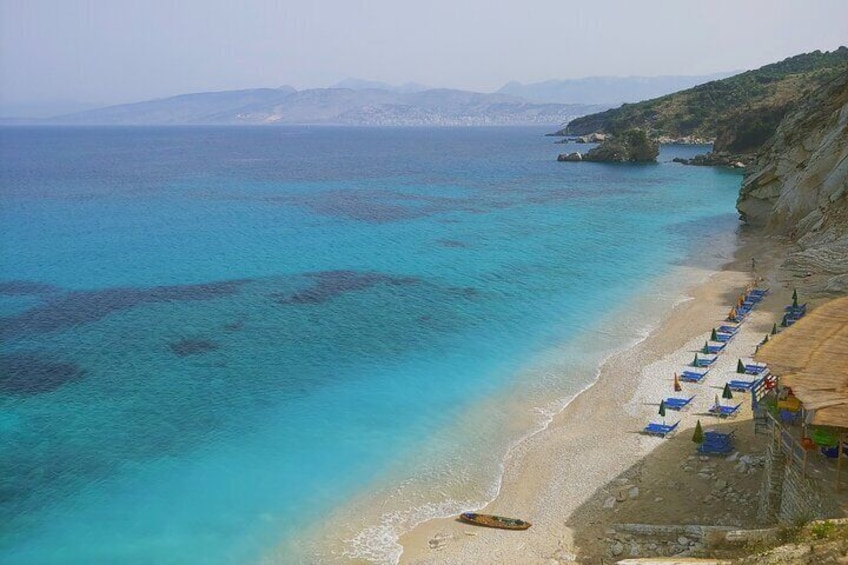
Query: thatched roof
<point>811,356</point>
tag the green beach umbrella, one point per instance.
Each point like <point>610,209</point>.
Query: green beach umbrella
<point>727,393</point>
<point>795,298</point>
<point>740,367</point>
<point>784,323</point>
<point>662,408</point>
<point>706,348</point>
<point>765,340</point>
<point>774,329</point>
<point>714,335</point>
<point>695,362</point>
<point>698,436</point>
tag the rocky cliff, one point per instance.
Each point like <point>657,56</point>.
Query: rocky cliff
<point>798,188</point>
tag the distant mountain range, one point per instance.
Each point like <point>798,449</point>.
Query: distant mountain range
<point>373,103</point>
<point>334,106</point>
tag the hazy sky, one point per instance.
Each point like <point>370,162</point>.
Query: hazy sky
<point>111,51</point>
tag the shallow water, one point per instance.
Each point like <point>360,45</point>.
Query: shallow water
<point>209,331</point>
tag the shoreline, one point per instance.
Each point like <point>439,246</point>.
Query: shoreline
<point>591,442</point>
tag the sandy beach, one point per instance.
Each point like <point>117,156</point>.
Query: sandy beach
<point>563,478</point>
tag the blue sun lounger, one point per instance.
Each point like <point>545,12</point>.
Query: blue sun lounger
<point>754,296</point>
<point>692,376</point>
<point>704,360</point>
<point>716,443</point>
<point>724,337</point>
<point>758,292</point>
<point>677,403</point>
<point>661,430</point>
<point>725,329</point>
<point>724,411</point>
<point>754,369</point>
<point>741,386</point>
<point>714,347</point>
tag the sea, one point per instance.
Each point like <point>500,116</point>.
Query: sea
<point>292,344</point>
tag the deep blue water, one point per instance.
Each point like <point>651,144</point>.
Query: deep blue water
<point>207,331</point>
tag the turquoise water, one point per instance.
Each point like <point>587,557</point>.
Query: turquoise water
<point>208,331</point>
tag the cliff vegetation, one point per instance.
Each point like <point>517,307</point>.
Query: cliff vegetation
<point>740,112</point>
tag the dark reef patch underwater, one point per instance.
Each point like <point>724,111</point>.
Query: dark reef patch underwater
<point>84,307</point>
<point>30,373</point>
<point>329,284</point>
<point>189,346</point>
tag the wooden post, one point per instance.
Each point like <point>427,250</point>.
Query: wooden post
<point>839,453</point>
<point>804,465</point>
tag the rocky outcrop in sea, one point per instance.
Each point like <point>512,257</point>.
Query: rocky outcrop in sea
<point>631,146</point>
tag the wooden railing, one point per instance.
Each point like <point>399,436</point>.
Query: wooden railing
<point>783,439</point>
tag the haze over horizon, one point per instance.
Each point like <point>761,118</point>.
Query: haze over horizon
<point>95,52</point>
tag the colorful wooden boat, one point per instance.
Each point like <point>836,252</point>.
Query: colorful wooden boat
<point>491,521</point>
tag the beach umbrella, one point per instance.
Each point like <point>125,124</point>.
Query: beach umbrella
<point>774,329</point>
<point>698,436</point>
<point>784,322</point>
<point>706,348</point>
<point>677,387</point>
<point>727,393</point>
<point>714,335</point>
<point>740,367</point>
<point>662,408</point>
<point>765,340</point>
<point>717,403</point>
<point>695,362</point>
<point>732,315</point>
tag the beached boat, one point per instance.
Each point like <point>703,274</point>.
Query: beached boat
<point>494,521</point>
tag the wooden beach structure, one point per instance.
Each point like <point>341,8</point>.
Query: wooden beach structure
<point>811,358</point>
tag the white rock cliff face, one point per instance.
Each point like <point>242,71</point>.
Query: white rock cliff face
<point>798,187</point>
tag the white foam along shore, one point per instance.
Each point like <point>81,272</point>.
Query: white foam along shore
<point>417,524</point>
<point>596,437</point>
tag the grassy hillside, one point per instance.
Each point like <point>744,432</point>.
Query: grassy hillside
<point>739,112</point>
